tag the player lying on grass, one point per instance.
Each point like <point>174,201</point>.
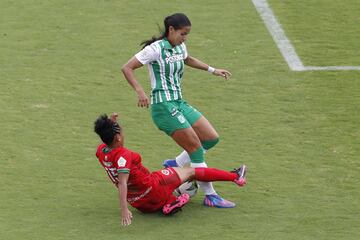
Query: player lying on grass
<point>144,190</point>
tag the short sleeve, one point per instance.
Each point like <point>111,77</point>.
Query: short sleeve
<point>183,46</point>
<point>148,54</point>
<point>123,164</point>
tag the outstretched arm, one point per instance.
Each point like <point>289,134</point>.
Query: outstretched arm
<point>128,71</point>
<point>196,63</point>
<point>126,215</point>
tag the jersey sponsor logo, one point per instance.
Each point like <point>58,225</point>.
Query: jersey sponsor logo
<point>174,58</point>
<point>165,172</point>
<point>121,162</point>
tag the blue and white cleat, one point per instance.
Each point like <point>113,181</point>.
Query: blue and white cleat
<point>170,163</point>
<point>215,200</point>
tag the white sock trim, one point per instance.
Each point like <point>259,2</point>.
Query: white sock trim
<point>196,165</point>
<point>206,187</point>
<point>182,159</point>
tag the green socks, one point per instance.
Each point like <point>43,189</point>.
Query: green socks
<point>209,143</point>
<point>197,156</point>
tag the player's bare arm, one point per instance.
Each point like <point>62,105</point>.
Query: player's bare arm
<point>128,71</point>
<point>196,63</point>
<point>126,215</point>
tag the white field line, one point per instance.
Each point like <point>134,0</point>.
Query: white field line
<point>332,68</point>
<point>284,44</point>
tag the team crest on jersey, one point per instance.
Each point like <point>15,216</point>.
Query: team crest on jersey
<point>165,172</point>
<point>121,162</point>
<point>181,119</point>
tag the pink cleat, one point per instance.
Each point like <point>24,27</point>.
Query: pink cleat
<point>241,172</point>
<point>176,205</point>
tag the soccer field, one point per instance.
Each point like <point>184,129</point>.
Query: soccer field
<point>297,131</point>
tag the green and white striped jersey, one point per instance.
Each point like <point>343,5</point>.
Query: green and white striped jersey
<point>166,68</point>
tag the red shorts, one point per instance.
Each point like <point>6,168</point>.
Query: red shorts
<point>164,183</point>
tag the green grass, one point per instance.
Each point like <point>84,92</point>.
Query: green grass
<point>297,131</point>
<point>322,31</point>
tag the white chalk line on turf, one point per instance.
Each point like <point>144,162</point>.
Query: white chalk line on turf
<point>331,68</point>
<point>284,44</point>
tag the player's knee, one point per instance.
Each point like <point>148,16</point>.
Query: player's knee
<point>190,173</point>
<point>187,139</point>
<point>207,144</point>
<point>193,145</point>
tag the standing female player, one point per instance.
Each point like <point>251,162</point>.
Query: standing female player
<point>165,57</point>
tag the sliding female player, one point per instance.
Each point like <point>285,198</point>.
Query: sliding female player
<point>165,57</point>
<point>148,192</point>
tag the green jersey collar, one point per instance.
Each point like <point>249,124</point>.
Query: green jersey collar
<point>167,44</point>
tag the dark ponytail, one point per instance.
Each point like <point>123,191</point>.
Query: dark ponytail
<point>177,21</point>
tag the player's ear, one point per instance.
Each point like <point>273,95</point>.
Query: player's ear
<point>114,117</point>
<point>119,138</point>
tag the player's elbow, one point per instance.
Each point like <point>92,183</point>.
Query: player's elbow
<point>124,69</point>
<point>189,60</point>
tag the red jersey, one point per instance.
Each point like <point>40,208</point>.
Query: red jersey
<point>122,160</point>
